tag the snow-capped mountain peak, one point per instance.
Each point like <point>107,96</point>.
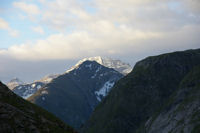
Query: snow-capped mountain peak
<point>118,65</point>
<point>28,89</point>
<point>14,82</point>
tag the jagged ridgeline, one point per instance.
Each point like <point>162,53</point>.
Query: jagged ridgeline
<point>20,116</point>
<point>160,95</point>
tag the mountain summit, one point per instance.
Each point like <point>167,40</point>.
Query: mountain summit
<point>73,96</point>
<point>25,90</point>
<point>118,65</point>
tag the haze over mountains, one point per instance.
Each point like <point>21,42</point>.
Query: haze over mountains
<point>25,90</point>
<point>160,95</point>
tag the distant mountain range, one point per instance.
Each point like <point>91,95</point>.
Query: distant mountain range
<point>73,95</point>
<point>160,95</point>
<point>26,90</point>
<point>20,116</point>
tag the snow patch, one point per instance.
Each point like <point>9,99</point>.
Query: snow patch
<point>44,92</point>
<point>98,69</point>
<point>99,99</point>
<point>19,88</point>
<point>89,66</point>
<point>33,85</point>
<point>39,86</point>
<point>27,96</point>
<point>94,76</point>
<point>43,98</point>
<point>104,90</point>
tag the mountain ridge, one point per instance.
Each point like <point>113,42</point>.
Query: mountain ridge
<point>141,93</point>
<point>26,90</point>
<point>118,65</point>
<point>77,92</point>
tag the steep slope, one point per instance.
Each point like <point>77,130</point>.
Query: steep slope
<point>182,112</point>
<point>136,97</point>
<point>118,65</point>
<point>18,115</point>
<point>26,90</point>
<point>73,96</point>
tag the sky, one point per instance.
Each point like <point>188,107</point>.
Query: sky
<point>40,37</point>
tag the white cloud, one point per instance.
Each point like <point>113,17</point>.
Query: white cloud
<point>123,41</point>
<point>5,26</point>
<point>142,15</point>
<point>30,9</point>
<point>120,27</point>
<point>77,44</point>
<point>38,29</point>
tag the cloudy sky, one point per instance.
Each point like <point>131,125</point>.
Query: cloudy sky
<point>40,37</point>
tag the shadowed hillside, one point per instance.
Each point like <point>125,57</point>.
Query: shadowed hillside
<point>18,115</point>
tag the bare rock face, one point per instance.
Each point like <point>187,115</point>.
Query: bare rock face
<point>182,112</point>
<point>20,116</point>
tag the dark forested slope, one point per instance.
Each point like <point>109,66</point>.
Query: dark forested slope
<point>139,95</point>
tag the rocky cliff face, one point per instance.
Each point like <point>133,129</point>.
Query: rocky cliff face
<point>139,95</point>
<point>181,114</point>
<point>20,116</point>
